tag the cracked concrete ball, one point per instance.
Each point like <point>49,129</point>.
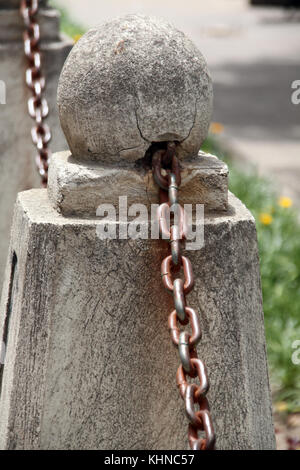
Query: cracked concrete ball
<point>129,83</point>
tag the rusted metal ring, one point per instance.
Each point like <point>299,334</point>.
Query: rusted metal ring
<point>30,5</point>
<point>32,34</point>
<point>36,60</point>
<point>175,244</point>
<point>173,190</point>
<point>45,155</point>
<point>169,153</point>
<point>179,299</point>
<point>41,165</point>
<point>207,443</point>
<point>184,351</point>
<point>29,9</point>
<point>190,400</point>
<point>41,135</point>
<point>38,109</point>
<point>33,76</point>
<point>28,46</point>
<point>175,251</point>
<point>164,214</point>
<point>188,274</point>
<point>195,326</point>
<point>164,220</point>
<point>200,370</point>
<point>163,181</point>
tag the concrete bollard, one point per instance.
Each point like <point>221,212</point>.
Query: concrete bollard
<point>17,154</point>
<point>89,363</point>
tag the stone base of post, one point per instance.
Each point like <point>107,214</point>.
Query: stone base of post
<point>17,153</point>
<point>89,361</point>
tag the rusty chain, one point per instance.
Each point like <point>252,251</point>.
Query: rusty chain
<point>191,366</point>
<point>37,105</point>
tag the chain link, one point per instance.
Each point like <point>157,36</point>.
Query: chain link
<point>37,105</point>
<point>193,395</point>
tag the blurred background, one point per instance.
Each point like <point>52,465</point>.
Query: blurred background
<point>253,53</point>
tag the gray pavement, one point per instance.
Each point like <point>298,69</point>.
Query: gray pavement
<point>253,55</point>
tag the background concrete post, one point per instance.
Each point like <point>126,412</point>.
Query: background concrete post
<point>17,153</point>
<point>89,363</point>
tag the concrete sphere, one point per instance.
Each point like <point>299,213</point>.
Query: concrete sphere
<point>129,83</point>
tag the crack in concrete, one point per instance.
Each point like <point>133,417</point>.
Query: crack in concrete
<point>129,148</point>
<point>144,138</point>
<point>193,125</point>
<point>188,135</point>
<point>137,119</point>
<point>139,129</point>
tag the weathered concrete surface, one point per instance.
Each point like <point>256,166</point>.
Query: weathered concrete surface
<point>78,189</point>
<point>17,153</point>
<point>131,82</point>
<point>89,360</point>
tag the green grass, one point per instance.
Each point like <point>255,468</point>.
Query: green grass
<point>279,247</point>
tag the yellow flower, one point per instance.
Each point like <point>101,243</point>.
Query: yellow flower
<point>265,218</point>
<point>77,37</point>
<point>281,406</point>
<point>216,128</point>
<point>285,202</point>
